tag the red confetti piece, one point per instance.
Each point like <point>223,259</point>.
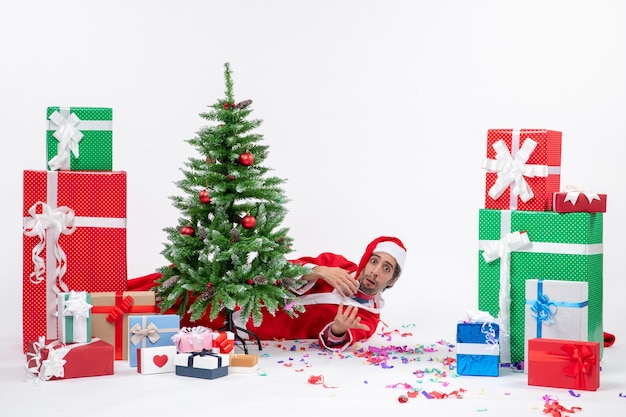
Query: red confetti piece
<point>402,399</point>
<point>319,380</point>
<point>555,409</point>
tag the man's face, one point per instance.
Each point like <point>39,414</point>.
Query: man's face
<point>377,274</point>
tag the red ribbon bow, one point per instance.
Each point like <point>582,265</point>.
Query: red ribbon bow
<point>582,361</point>
<point>120,309</point>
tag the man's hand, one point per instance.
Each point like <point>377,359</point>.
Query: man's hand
<point>347,319</point>
<point>338,278</point>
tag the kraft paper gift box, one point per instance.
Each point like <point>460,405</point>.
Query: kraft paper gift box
<point>204,364</point>
<point>156,360</point>
<point>523,169</point>
<point>565,364</point>
<point>109,316</point>
<point>478,349</point>
<point>574,199</point>
<point>553,246</point>
<point>555,310</point>
<point>150,331</point>
<point>50,360</point>
<point>79,138</point>
<point>74,239</point>
<point>242,363</point>
<point>74,313</point>
<point>193,339</point>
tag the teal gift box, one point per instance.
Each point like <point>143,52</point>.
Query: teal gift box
<point>558,246</point>
<point>150,331</point>
<point>74,317</point>
<point>79,138</point>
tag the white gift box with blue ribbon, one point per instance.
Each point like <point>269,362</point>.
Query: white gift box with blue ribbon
<point>556,310</point>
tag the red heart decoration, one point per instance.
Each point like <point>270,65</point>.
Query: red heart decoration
<point>160,360</point>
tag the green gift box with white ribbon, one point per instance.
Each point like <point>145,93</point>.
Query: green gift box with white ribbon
<point>79,138</point>
<point>515,246</point>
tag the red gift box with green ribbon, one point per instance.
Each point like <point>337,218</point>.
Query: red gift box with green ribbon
<point>74,240</point>
<point>523,168</point>
<point>565,364</point>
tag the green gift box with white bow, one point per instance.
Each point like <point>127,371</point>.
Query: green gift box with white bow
<point>79,138</point>
<point>515,246</point>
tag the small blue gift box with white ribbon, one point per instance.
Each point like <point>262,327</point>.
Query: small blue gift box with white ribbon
<point>150,331</point>
<point>556,310</point>
<point>478,348</point>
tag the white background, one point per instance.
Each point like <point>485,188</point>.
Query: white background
<point>376,114</point>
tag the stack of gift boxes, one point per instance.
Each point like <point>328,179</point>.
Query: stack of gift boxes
<point>540,262</point>
<point>78,317</point>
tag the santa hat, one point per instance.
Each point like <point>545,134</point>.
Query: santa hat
<point>391,245</point>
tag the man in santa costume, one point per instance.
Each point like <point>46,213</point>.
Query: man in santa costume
<point>342,300</point>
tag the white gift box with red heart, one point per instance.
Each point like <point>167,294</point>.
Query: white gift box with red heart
<point>156,360</point>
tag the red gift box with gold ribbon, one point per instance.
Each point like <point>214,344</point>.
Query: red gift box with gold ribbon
<point>109,316</point>
<point>74,238</point>
<point>559,363</point>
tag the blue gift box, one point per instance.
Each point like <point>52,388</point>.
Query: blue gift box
<point>478,349</point>
<point>150,331</point>
<point>203,364</point>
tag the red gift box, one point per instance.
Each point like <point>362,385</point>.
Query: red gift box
<point>575,199</point>
<point>49,360</point>
<point>566,364</point>
<point>74,239</point>
<point>523,169</point>
<point>223,342</point>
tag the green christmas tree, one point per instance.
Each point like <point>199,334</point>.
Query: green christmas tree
<point>229,249</point>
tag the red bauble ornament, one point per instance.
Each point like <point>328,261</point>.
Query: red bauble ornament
<point>246,159</point>
<point>188,230</point>
<point>209,284</point>
<point>205,197</point>
<point>250,282</point>
<point>248,221</point>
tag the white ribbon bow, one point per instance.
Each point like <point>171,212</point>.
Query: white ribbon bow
<point>50,223</point>
<point>68,135</point>
<point>197,333</point>
<point>151,332</point>
<point>76,305</point>
<point>52,366</point>
<point>512,170</point>
<point>574,191</point>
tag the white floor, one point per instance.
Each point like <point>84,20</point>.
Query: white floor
<point>296,378</point>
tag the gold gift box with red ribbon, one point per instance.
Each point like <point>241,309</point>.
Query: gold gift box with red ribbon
<point>109,316</point>
<point>569,364</point>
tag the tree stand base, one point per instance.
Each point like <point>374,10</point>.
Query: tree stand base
<point>229,325</point>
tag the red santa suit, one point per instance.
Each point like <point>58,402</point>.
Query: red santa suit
<point>320,301</point>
